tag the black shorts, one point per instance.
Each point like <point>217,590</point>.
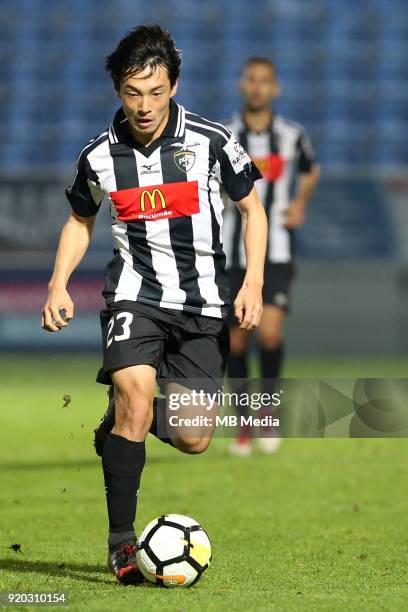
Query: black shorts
<point>178,344</point>
<point>276,288</point>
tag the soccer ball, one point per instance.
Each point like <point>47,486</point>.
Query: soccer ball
<point>173,551</point>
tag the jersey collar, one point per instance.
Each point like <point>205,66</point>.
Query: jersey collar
<point>176,125</point>
<point>240,117</point>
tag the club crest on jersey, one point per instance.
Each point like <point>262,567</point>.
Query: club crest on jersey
<point>184,160</point>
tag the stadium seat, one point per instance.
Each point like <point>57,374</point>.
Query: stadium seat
<point>339,66</point>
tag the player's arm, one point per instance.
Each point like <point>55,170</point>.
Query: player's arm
<point>248,303</point>
<point>296,212</point>
<point>237,176</point>
<point>73,244</point>
<point>308,177</point>
<point>85,197</point>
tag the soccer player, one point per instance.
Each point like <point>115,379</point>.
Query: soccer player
<point>282,151</point>
<point>160,168</point>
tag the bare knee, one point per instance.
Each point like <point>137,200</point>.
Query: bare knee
<point>270,331</point>
<point>192,446</point>
<point>270,339</point>
<point>133,412</point>
<point>238,341</point>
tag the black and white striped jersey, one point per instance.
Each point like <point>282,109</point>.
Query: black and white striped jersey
<point>279,152</point>
<point>166,209</point>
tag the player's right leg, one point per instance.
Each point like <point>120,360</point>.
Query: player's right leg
<point>133,347</point>
<point>276,295</point>
<point>108,420</point>
<point>123,460</point>
<point>238,370</point>
<point>237,367</point>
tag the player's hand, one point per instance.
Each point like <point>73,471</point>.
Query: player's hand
<point>248,305</point>
<point>295,214</point>
<point>52,318</point>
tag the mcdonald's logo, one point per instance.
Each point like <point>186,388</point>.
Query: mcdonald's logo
<point>156,202</point>
<point>151,195</point>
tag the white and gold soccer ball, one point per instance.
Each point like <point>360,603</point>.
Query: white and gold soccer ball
<point>173,551</point>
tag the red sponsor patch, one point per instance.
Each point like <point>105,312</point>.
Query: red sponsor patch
<point>271,166</point>
<point>156,202</point>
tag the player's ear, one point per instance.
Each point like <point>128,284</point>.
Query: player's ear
<point>278,90</point>
<point>117,89</point>
<point>240,85</point>
<point>174,89</point>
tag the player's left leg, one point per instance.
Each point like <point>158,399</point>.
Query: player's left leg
<point>194,359</point>
<point>276,291</point>
<point>190,417</point>
<point>270,339</point>
<point>270,335</point>
<point>193,369</point>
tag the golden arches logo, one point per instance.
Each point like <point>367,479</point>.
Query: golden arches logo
<point>152,199</point>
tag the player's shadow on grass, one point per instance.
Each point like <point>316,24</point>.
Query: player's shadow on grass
<point>75,571</point>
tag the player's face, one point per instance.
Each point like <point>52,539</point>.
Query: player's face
<point>145,99</point>
<point>259,86</point>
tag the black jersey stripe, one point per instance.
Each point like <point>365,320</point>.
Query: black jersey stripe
<point>181,234</point>
<point>220,276</point>
<point>93,143</point>
<point>179,113</point>
<point>236,239</point>
<point>237,231</point>
<point>140,250</point>
<point>270,191</point>
<point>124,164</point>
<point>125,169</point>
<point>195,126</point>
<point>211,124</point>
<point>83,156</point>
<point>80,184</point>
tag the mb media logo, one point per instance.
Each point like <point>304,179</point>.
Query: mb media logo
<point>184,160</point>
<point>151,196</point>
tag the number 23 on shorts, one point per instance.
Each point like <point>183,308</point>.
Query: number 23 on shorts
<point>124,320</point>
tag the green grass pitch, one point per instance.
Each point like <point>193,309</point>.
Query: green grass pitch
<point>320,526</point>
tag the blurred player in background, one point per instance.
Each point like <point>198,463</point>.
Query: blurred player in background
<point>282,151</point>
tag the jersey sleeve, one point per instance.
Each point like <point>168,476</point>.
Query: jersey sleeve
<point>306,154</point>
<point>236,171</point>
<point>85,194</point>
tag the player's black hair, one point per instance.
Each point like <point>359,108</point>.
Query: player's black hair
<point>144,46</point>
<point>259,60</point>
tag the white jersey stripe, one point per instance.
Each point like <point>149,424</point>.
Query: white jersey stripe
<point>102,164</point>
<point>206,127</point>
<point>177,132</point>
<point>158,239</point>
<point>182,121</point>
<point>204,260</point>
<point>92,142</point>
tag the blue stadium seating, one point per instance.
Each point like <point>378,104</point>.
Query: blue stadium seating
<point>342,66</point>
